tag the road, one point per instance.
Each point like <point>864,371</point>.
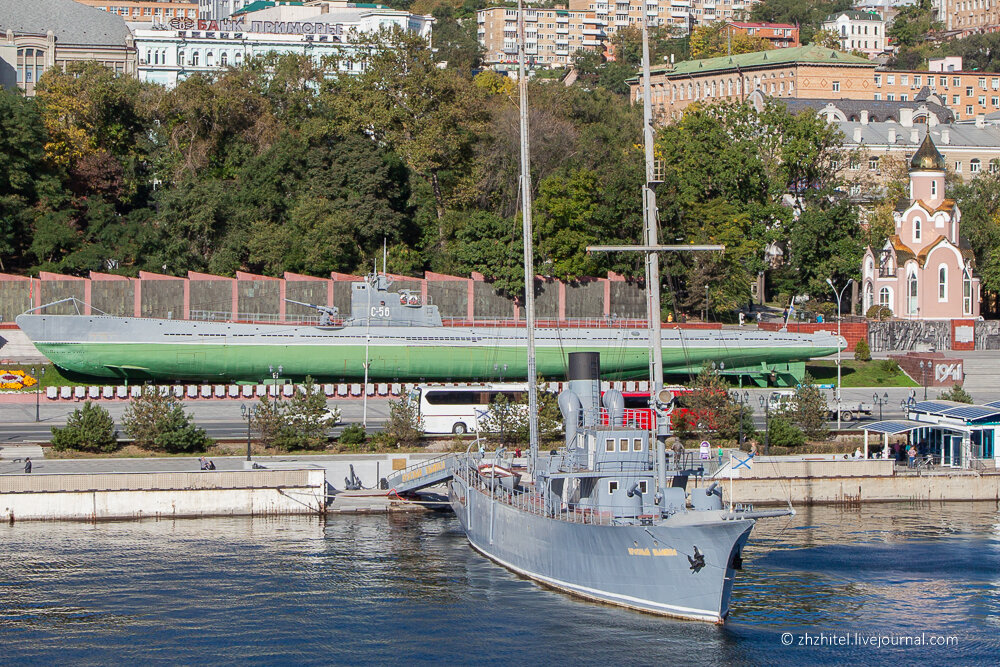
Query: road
<point>221,419</point>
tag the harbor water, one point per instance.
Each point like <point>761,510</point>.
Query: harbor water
<point>920,582</point>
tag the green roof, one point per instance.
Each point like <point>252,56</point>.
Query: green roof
<point>811,53</point>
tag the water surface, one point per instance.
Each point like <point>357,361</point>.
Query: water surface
<point>408,589</point>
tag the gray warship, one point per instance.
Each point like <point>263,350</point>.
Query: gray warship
<point>608,515</point>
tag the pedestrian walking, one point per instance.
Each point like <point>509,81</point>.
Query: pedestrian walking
<point>720,455</point>
<point>27,464</point>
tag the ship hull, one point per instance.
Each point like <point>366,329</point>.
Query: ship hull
<point>639,567</point>
<point>139,348</point>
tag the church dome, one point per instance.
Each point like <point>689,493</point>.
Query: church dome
<point>927,157</point>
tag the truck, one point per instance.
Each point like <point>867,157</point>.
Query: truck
<point>782,402</point>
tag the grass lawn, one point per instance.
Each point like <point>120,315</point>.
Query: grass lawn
<point>876,373</point>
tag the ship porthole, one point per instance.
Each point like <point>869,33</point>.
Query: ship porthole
<point>655,543</point>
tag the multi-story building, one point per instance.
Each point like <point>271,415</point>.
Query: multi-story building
<point>967,94</point>
<point>810,71</point>
<point>965,17</point>
<point>780,35</point>
<point>553,35</point>
<point>39,35</point>
<point>221,9</point>
<point>328,31</point>
<point>147,11</point>
<point>858,31</point>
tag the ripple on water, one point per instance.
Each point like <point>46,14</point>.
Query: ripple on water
<point>372,589</point>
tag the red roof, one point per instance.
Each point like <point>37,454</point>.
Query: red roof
<point>741,24</point>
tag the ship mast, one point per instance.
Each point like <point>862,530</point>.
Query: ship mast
<point>652,248</point>
<point>529,271</point>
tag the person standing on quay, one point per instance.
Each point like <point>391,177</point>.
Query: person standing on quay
<point>27,464</point>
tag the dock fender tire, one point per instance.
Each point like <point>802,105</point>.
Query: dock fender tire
<point>459,428</point>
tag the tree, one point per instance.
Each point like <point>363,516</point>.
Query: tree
<point>912,24</point>
<point>710,409</point>
<point>455,41</point>
<point>405,426</point>
<point>301,422</point>
<point>811,410</point>
<point>827,38</point>
<point>155,420</point>
<point>808,15</point>
<point>956,393</point>
<point>88,429</point>
<point>783,433</point>
<point>430,115</point>
<point>714,39</point>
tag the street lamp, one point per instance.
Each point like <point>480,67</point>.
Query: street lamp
<point>766,404</point>
<point>38,389</point>
<point>880,402</point>
<point>923,376</point>
<point>840,296</point>
<point>249,414</point>
<point>907,404</point>
<point>741,400</point>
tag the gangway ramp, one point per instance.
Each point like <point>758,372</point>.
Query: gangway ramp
<point>421,475</point>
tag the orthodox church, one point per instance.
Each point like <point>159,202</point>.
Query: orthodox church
<point>925,270</point>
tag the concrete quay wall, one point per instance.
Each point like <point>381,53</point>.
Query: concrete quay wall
<point>856,490</point>
<point>94,497</point>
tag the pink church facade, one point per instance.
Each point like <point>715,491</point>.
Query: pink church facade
<point>926,269</point>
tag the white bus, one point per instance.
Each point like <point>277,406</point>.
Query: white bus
<point>458,409</point>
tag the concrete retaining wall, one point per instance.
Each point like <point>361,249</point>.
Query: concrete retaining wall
<point>92,497</point>
<point>853,490</point>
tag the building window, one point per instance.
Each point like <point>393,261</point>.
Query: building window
<point>836,86</point>
<point>637,444</point>
<point>609,445</point>
<point>942,283</point>
<point>180,58</point>
<point>974,165</point>
<point>872,163</point>
<point>933,190</point>
<point>911,292</point>
<point>855,164</point>
<point>968,91</point>
<point>966,292</point>
<point>210,59</point>
<point>994,166</point>
<point>878,80</point>
<point>623,445</point>
<point>195,58</point>
<point>30,66</point>
<point>224,61</point>
<point>643,488</point>
<point>883,297</point>
<point>612,487</point>
<point>916,230</point>
<point>958,167</point>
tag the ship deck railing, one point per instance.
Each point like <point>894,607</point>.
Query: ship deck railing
<point>532,502</point>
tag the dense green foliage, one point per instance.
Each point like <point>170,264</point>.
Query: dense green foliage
<point>282,165</point>
<point>811,410</point>
<point>155,420</point>
<point>711,411</point>
<point>783,433</point>
<point>956,393</point>
<point>807,14</point>
<point>89,429</point>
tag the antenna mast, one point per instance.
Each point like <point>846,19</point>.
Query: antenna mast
<point>529,271</point>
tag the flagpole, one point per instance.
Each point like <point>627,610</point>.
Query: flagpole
<point>732,472</point>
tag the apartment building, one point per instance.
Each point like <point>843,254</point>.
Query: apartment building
<point>553,35</point>
<point>965,17</point>
<point>967,94</point>
<point>147,11</point>
<point>858,31</point>
<point>780,35</point>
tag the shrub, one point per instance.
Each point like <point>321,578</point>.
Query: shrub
<point>877,312</point>
<point>297,423</point>
<point>956,393</point>
<point>888,366</point>
<point>88,429</point>
<point>862,352</point>
<point>783,433</point>
<point>156,421</point>
<point>353,435</point>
